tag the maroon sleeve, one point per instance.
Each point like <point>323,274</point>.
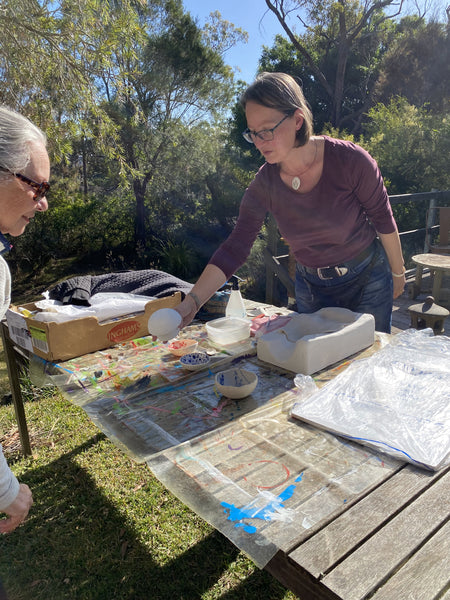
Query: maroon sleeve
<point>234,251</point>
<point>369,187</point>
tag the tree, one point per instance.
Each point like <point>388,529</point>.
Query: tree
<point>416,65</point>
<point>335,31</point>
<point>410,145</point>
<point>175,80</point>
<point>118,87</point>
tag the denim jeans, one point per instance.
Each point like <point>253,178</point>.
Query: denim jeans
<point>365,288</point>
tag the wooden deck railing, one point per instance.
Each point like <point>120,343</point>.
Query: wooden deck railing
<point>280,264</point>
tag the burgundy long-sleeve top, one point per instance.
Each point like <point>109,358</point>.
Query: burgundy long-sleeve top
<point>327,226</point>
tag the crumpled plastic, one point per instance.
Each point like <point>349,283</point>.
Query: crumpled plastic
<point>397,401</point>
<point>306,385</point>
<point>104,306</point>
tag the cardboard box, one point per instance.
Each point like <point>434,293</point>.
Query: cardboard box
<point>61,341</point>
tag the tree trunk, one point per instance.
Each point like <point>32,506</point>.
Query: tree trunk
<point>139,224</point>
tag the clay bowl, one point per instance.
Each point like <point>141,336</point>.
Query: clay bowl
<point>236,383</point>
<point>164,324</point>
<point>181,347</point>
<point>195,361</point>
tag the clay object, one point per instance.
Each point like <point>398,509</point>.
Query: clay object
<point>195,361</point>
<point>236,383</point>
<point>164,324</point>
<point>180,347</point>
<point>311,342</point>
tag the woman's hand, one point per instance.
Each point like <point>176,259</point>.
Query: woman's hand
<point>17,511</point>
<point>187,310</point>
<point>399,285</point>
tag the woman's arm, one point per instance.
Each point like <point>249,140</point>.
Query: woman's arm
<point>208,283</point>
<point>391,244</point>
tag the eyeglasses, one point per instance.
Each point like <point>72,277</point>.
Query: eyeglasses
<point>40,189</point>
<point>265,134</point>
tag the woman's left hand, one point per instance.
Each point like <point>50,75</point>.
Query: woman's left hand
<point>399,285</point>
<point>187,310</point>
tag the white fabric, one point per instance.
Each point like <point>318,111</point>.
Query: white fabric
<point>104,306</point>
<point>9,486</point>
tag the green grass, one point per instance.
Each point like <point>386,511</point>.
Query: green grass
<point>103,528</point>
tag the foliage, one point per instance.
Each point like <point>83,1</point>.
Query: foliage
<point>411,146</point>
<point>116,86</point>
<point>74,226</point>
<point>416,65</point>
<point>337,56</point>
<point>177,258</point>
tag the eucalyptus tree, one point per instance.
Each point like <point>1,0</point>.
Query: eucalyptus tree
<point>339,48</point>
<point>175,82</point>
<point>416,65</point>
<point>118,86</point>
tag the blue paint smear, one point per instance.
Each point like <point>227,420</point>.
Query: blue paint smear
<point>265,512</point>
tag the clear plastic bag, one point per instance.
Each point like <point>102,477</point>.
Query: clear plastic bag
<point>397,401</point>
<point>306,385</point>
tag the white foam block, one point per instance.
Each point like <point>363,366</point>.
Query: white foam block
<point>311,342</point>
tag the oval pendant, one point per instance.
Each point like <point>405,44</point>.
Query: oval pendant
<point>296,183</point>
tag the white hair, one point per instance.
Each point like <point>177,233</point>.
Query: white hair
<point>17,134</point>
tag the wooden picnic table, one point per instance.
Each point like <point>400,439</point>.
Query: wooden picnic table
<point>330,519</point>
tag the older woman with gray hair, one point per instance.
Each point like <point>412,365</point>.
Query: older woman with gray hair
<point>24,173</point>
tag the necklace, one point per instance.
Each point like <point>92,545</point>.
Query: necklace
<point>296,183</point>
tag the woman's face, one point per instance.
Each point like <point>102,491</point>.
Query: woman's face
<point>17,206</point>
<point>261,117</point>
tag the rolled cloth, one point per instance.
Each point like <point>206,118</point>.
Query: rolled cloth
<point>78,290</point>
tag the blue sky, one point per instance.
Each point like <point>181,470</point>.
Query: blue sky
<point>250,15</point>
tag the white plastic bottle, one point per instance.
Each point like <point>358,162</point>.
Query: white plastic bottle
<point>235,306</point>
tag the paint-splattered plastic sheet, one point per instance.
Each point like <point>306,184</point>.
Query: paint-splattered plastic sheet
<point>134,367</point>
<point>259,477</point>
<point>264,480</point>
<point>139,395</point>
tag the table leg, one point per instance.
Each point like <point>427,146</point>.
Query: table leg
<point>415,291</point>
<point>16,392</point>
<point>437,283</point>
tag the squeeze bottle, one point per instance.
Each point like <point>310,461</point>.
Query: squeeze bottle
<point>235,306</point>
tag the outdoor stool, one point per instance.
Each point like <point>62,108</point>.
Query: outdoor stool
<point>428,314</point>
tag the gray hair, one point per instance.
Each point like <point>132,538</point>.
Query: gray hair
<point>17,134</point>
<point>282,92</point>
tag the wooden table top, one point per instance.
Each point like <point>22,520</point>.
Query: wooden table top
<point>434,261</point>
<point>393,544</point>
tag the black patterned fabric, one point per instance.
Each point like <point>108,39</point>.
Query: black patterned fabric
<point>78,290</point>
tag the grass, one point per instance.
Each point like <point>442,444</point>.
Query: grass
<point>102,527</point>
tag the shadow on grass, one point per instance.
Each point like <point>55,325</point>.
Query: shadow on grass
<point>78,545</point>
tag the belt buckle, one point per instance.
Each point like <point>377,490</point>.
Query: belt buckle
<point>338,272</point>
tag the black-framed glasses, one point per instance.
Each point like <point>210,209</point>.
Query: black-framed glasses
<point>265,134</point>
<point>40,189</point>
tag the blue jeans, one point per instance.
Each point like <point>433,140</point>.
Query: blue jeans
<point>365,288</point>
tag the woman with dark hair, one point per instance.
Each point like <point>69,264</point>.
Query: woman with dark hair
<point>331,206</point>
<point>24,173</point>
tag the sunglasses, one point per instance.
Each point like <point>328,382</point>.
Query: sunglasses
<point>40,189</point>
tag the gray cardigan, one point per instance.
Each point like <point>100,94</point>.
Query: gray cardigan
<point>9,486</point>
